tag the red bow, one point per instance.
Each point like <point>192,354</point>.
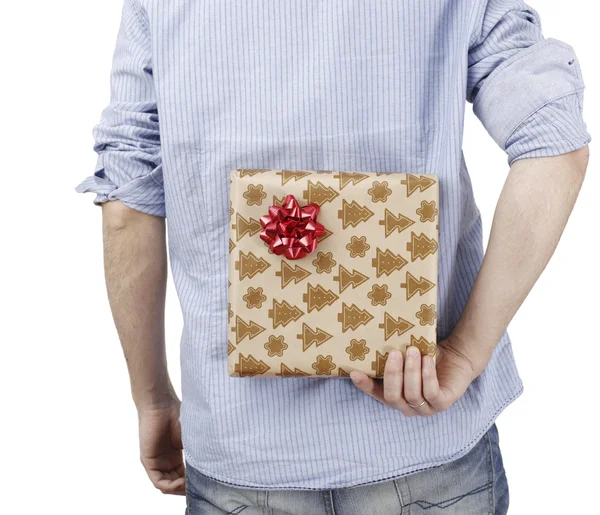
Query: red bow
<point>290,229</point>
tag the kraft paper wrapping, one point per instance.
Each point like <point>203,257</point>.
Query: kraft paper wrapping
<point>369,287</point>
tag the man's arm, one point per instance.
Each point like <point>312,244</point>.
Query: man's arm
<point>135,263</point>
<point>135,266</point>
<point>532,211</point>
<point>528,93</point>
<point>129,187</point>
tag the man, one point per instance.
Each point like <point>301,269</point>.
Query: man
<point>200,88</point>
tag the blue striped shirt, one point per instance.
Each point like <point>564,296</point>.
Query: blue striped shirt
<point>199,88</point>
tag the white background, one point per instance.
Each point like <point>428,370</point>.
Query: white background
<point>68,429</point>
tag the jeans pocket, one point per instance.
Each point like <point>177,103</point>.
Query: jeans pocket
<point>465,485</point>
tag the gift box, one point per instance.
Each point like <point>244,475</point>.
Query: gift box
<point>330,270</point>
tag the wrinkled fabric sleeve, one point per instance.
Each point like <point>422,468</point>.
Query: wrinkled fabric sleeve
<point>127,137</point>
<point>526,90</point>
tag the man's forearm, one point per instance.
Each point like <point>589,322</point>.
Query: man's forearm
<point>532,211</point>
<point>135,263</point>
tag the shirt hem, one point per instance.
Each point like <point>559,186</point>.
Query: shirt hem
<point>369,479</point>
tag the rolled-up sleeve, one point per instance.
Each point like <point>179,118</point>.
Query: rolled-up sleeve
<point>526,90</point>
<point>127,139</point>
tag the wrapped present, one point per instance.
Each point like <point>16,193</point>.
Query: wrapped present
<point>330,270</point>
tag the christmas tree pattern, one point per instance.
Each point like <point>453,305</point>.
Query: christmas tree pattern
<point>284,313</point>
<point>391,326</point>
<point>251,172</point>
<point>254,298</point>
<point>357,350</point>
<point>414,285</point>
<point>421,246</point>
<point>395,223</point>
<point>343,373</point>
<point>423,345</point>
<point>231,210</point>
<point>352,317</point>
<point>427,212</point>
<point>243,227</point>
<point>278,201</point>
<point>289,274</point>
<point>324,262</point>
<point>379,191</point>
<point>249,265</point>
<point>379,364</point>
<point>347,278</point>
<point>243,329</point>
<point>288,175</point>
<point>387,262</point>
<point>352,214</point>
<point>254,195</point>
<point>414,183</point>
<point>250,366</point>
<point>350,178</point>
<point>324,365</point>
<point>275,346</point>
<point>325,235</point>
<point>310,336</point>
<point>358,246</point>
<point>427,314</point>
<point>229,312</point>
<point>288,372</point>
<point>230,347</point>
<point>319,193</point>
<point>231,245</point>
<point>318,297</point>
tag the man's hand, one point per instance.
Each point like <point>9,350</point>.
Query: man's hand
<point>438,381</point>
<point>161,447</point>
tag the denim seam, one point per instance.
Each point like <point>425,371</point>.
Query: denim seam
<point>491,475</point>
<point>426,505</point>
<point>409,496</point>
<point>399,494</point>
<point>328,502</point>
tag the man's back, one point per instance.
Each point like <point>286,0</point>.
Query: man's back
<point>375,86</point>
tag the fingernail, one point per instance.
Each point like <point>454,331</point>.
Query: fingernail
<point>394,355</point>
<point>412,352</point>
<point>354,377</point>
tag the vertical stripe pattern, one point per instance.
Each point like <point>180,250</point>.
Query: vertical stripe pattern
<point>336,85</point>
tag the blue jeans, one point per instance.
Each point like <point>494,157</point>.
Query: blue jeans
<point>474,484</point>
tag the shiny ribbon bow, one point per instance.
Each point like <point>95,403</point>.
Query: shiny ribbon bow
<point>291,230</point>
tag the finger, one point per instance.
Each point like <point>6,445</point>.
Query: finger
<point>431,386</point>
<point>172,483</point>
<point>412,376</point>
<point>413,382</point>
<point>367,385</point>
<point>171,487</point>
<point>392,383</point>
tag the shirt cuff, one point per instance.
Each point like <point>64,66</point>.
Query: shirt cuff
<point>557,128</point>
<point>527,89</point>
<point>145,193</point>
